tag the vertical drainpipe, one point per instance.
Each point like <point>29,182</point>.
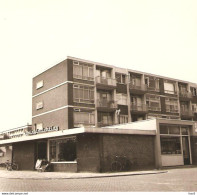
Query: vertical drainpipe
<point>128,96</point>
<point>95,98</point>
<point>179,107</point>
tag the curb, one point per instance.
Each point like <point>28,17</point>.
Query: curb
<point>85,177</point>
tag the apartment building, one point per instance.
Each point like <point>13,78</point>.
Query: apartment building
<point>86,113</point>
<point>78,92</point>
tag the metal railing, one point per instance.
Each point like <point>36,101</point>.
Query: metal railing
<point>139,107</point>
<point>187,112</point>
<point>185,94</point>
<point>106,81</point>
<point>141,87</point>
<point>107,103</point>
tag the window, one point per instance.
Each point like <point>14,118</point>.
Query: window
<point>83,118</point>
<point>170,145</point>
<point>121,98</point>
<point>83,94</point>
<point>39,126</point>
<point>39,84</point>
<point>153,102</point>
<point>169,87</point>
<point>123,119</point>
<point>136,81</point>
<point>152,83</point>
<point>171,105</point>
<point>194,91</point>
<point>194,108</point>
<point>83,71</point>
<point>63,150</point>
<point>120,78</point>
<point>39,105</point>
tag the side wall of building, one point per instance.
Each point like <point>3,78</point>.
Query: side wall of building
<point>194,149</point>
<point>138,149</point>
<point>88,153</point>
<point>24,155</point>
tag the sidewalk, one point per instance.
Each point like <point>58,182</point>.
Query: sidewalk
<point>64,175</point>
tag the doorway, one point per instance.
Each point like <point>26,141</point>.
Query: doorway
<point>186,151</point>
<point>42,150</point>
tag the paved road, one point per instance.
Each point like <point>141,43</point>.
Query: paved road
<point>184,179</point>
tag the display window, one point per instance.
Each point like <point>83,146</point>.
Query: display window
<point>63,150</point>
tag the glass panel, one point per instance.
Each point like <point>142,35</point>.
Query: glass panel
<point>66,149</point>
<point>163,129</point>
<point>174,130</point>
<point>184,130</point>
<point>170,145</point>
<point>53,151</point>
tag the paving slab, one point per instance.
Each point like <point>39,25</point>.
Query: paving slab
<point>67,175</point>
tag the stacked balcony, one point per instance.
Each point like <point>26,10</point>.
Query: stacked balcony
<point>106,105</point>
<point>139,108</point>
<point>105,83</point>
<point>185,95</point>
<point>137,89</point>
<point>187,113</point>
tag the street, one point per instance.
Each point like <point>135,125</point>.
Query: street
<point>184,179</point>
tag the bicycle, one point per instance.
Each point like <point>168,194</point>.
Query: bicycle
<point>121,163</point>
<point>11,166</point>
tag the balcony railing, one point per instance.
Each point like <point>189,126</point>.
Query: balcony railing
<point>151,108</point>
<point>187,112</point>
<point>106,81</point>
<point>185,94</point>
<point>139,107</point>
<point>106,103</point>
<point>105,123</point>
<point>141,87</point>
<point>153,89</point>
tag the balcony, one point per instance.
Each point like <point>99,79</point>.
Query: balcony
<point>154,89</point>
<point>106,105</point>
<point>137,89</point>
<point>139,108</point>
<point>186,113</point>
<point>105,83</point>
<point>185,96</point>
<point>105,123</point>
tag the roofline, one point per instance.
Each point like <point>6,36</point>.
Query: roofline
<point>21,127</point>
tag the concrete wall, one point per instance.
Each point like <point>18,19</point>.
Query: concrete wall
<point>24,155</point>
<point>88,153</point>
<point>7,154</point>
<point>138,149</point>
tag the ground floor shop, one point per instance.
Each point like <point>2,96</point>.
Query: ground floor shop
<point>141,145</point>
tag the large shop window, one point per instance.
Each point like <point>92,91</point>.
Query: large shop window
<point>170,145</point>
<point>83,71</point>
<point>63,150</point>
<point>83,94</point>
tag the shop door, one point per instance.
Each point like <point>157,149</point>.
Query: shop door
<point>186,153</point>
<point>42,150</point>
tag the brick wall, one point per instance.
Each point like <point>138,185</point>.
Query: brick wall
<point>88,155</point>
<point>194,149</point>
<point>138,149</point>
<point>24,155</point>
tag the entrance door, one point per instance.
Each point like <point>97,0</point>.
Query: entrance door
<point>42,150</point>
<point>186,153</point>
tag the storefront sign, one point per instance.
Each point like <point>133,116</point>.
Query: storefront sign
<point>47,129</point>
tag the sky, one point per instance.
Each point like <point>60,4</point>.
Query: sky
<point>154,36</point>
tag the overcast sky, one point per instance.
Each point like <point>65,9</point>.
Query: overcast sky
<point>155,36</point>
